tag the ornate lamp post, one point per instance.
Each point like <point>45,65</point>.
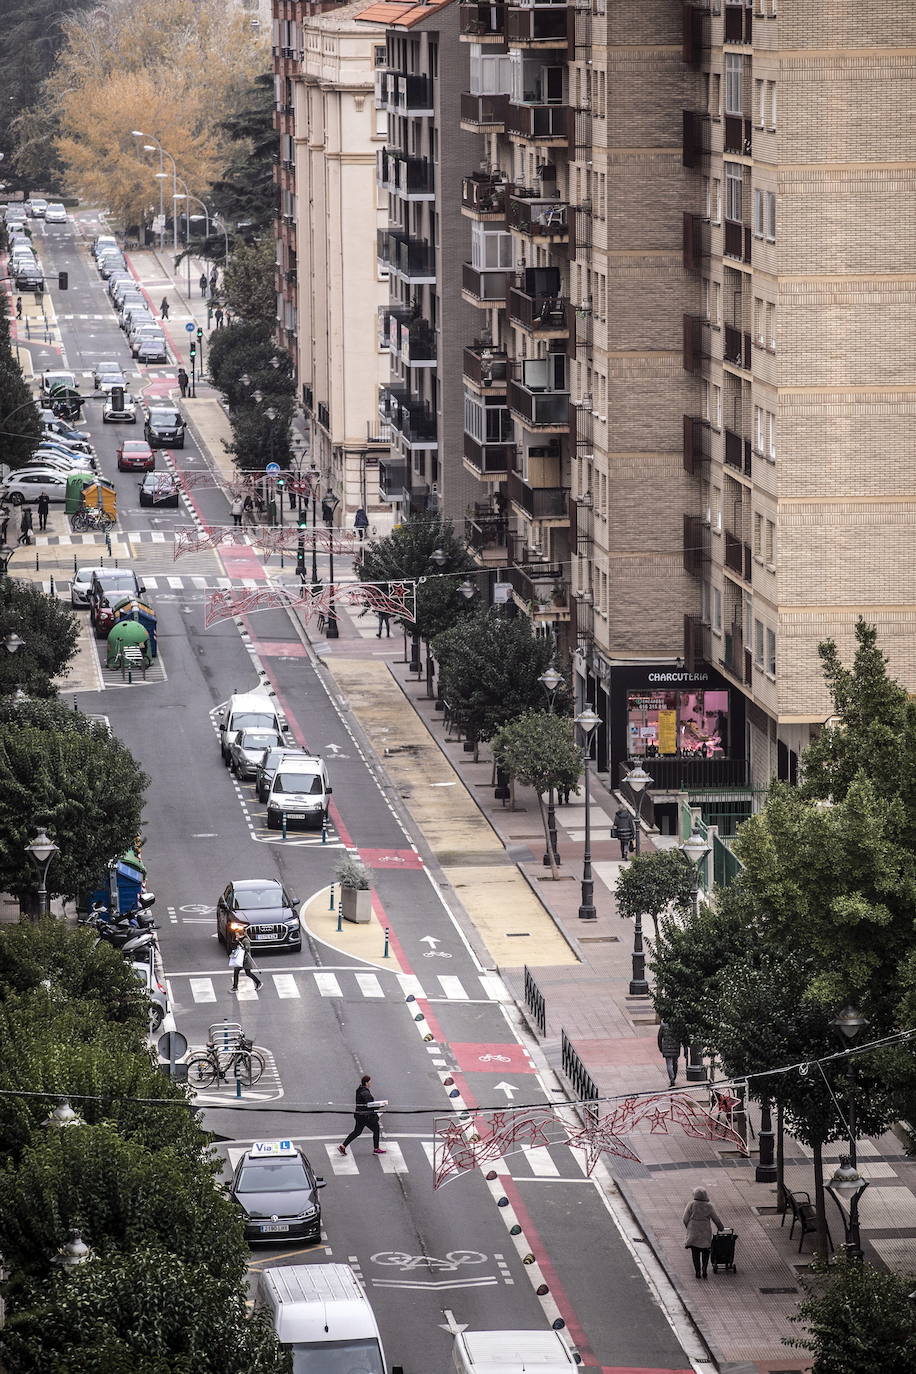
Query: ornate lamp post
<point>73,1252</point>
<point>551,681</point>
<point>696,849</point>
<point>587,721</point>
<point>847,1024</point>
<point>42,849</point>
<point>848,1183</point>
<point>639,781</point>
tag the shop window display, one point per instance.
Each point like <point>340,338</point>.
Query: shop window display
<point>669,722</point>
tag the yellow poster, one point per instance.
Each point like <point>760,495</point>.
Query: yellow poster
<point>667,732</point>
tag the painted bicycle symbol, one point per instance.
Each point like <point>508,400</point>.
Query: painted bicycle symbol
<point>493,1059</point>
<point>436,954</point>
<point>452,1261</point>
<point>197,909</point>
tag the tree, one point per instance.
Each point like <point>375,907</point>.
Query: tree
<point>248,349</point>
<point>406,555</point>
<point>244,193</point>
<point>490,666</point>
<point>690,961</point>
<point>858,1320</point>
<point>539,750</point>
<point>87,791</point>
<point>19,424</point>
<point>93,975</point>
<point>655,885</point>
<point>138,1312</point>
<point>249,282</point>
<point>49,631</point>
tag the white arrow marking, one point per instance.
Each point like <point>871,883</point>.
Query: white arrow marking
<point>450,1325</point>
<point>430,940</point>
<point>508,1088</point>
<point>442,784</point>
<point>332,748</point>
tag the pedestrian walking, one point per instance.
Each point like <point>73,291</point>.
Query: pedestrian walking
<point>699,1217</point>
<point>213,281</point>
<point>625,831</point>
<point>384,623</point>
<point>218,316</point>
<point>184,381</point>
<point>365,1118</point>
<point>240,961</point>
<point>18,307</point>
<point>248,509</point>
<point>203,284</point>
<point>236,509</point>
<point>164,308</point>
<point>44,505</point>
<point>361,523</point>
<point>25,526</point>
<point>669,1047</point>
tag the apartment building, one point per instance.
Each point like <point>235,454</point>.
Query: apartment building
<point>425,322</point>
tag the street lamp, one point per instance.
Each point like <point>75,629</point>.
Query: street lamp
<point>587,720</point>
<point>467,589</point>
<point>551,680</point>
<point>73,1252</point>
<point>62,1116</point>
<point>13,642</point>
<point>639,781</point>
<point>161,174</point>
<point>848,1183</point>
<point>328,506</point>
<point>42,849</point>
<point>6,553</point>
<point>696,849</point>
<point>847,1024</point>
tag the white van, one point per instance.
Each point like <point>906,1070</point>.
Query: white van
<point>301,791</point>
<point>511,1352</point>
<point>322,1314</point>
<point>247,711</point>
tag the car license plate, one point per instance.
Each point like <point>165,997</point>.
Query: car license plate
<point>274,1227</point>
<point>296,816</point>
<point>264,937</point>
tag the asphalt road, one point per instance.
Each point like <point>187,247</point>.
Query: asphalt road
<point>429,1257</point>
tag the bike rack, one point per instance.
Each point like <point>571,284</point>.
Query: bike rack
<point>229,1033</point>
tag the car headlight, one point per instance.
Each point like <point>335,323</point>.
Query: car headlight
<point>309,1212</point>
<point>292,922</point>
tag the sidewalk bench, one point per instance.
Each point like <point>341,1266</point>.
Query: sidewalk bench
<point>804,1215</point>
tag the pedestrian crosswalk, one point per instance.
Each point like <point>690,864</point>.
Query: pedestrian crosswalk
<point>170,583</point>
<point>348,983</point>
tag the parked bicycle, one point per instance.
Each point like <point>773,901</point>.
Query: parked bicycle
<point>238,1060</point>
<point>91,520</point>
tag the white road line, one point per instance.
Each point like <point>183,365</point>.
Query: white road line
<point>151,584</point>
<point>176,583</point>
<point>251,583</point>
<point>341,1164</point>
<point>246,992</point>
<point>327,985</point>
<point>199,582</point>
<point>158,537</point>
<point>429,1150</point>
<point>234,1154</point>
<point>538,1157</point>
<point>202,990</point>
<point>494,987</point>
<point>369,985</point>
<point>453,988</point>
<point>393,1161</point>
<point>224,583</point>
<point>410,985</point>
<point>286,985</point>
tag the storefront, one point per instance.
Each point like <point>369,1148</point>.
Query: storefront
<point>659,713</point>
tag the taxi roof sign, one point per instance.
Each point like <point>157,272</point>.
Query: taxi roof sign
<point>270,1149</point>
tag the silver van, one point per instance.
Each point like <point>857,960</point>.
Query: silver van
<point>300,792</point>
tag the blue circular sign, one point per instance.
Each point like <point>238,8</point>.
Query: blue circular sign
<point>272,469</point>
<point>190,327</point>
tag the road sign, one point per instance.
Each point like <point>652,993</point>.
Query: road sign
<point>172,1045</point>
<point>190,327</point>
<point>272,469</point>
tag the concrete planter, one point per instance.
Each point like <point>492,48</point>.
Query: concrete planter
<point>356,903</point>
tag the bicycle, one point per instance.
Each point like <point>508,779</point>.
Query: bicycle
<point>212,1065</point>
<point>91,520</point>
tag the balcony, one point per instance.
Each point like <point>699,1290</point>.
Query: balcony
<point>486,534</point>
<point>697,443</point>
<point>407,94</point>
<point>548,410</point>
<point>736,659</point>
<point>696,544</point>
<point>697,642</point>
<point>484,196</point>
<point>696,242</point>
<point>739,24</point>
<point>483,113</point>
<point>695,36</point>
<point>412,419</point>
<point>414,342</point>
<point>410,259</point>
<point>486,368</point>
<point>538,25</point>
<point>411,178</point>
<point>738,135</point>
<point>483,288</point>
<point>488,459</point>
<point>480,22</point>
<point>540,588</point>
<point>544,315</point>
<point>696,342</point>
<point>696,138</point>
<point>393,481</point>
<point>738,556</point>
<point>538,503</point>
<point>737,240</point>
<point>738,453</point>
<point>736,347</point>
<point>541,217</point>
<point>548,125</point>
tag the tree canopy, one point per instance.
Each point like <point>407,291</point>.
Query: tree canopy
<point>20,428</point>
<point>655,885</point>
<point>49,631</point>
<point>406,553</point>
<point>489,669</point>
<point>858,1320</point>
<point>244,191</point>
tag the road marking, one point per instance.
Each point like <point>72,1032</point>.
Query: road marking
<point>493,987</point>
<point>429,1149</point>
<point>246,992</point>
<point>538,1157</point>
<point>341,1164</point>
<point>202,990</point>
<point>176,583</point>
<point>151,584</point>
<point>393,1162</point>
<point>453,988</point>
<point>327,985</point>
<point>158,537</point>
<point>369,985</point>
<point>285,984</point>
<point>410,985</point>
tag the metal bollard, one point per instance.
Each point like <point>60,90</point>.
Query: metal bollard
<point>74,565</point>
<point>324,830</point>
<point>340,917</point>
<point>238,1079</point>
<point>387,933</point>
<point>331,902</point>
<point>130,676</point>
<point>53,588</point>
<point>37,564</point>
<point>108,543</point>
<point>283,824</point>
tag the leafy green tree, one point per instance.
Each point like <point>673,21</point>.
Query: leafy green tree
<point>20,429</point>
<point>244,194</point>
<point>92,975</point>
<point>858,1320</point>
<point>690,961</point>
<point>655,885</point>
<point>406,553</point>
<point>247,349</point>
<point>249,282</point>
<point>142,1311</point>
<point>539,750</point>
<point>49,631</point>
<point>88,793</point>
<point>489,667</point>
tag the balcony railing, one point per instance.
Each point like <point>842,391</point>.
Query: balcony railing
<point>538,503</point>
<point>539,218</point>
<point>540,123</point>
<point>696,342</point>
<point>547,316</point>
<point>738,556</point>
<point>736,347</point>
<point>492,460</point>
<point>695,34</point>
<point>484,531</point>
<point>738,452</point>
<point>486,367</point>
<point>482,22</point>
<point>697,244</point>
<point>539,409</point>
<point>484,288</point>
<point>393,480</point>
<point>484,112</point>
<point>407,93</point>
<point>739,24</point>
<point>739,134</point>
<point>736,658</point>
<point>690,773</point>
<point>696,138</point>
<point>414,341</point>
<point>539,25</point>
<point>485,196</point>
<point>542,586</point>
<point>697,443</point>
<point>411,259</point>
<point>697,642</point>
<point>412,419</point>
<point>737,240</point>
<point>411,177</point>
<point>696,544</point>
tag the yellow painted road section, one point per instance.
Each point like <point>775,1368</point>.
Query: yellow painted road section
<point>365,941</point>
<point>512,923</point>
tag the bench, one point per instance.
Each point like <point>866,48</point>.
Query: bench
<point>804,1215</point>
<point>132,659</point>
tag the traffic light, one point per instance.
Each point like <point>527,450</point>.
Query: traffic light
<point>193,350</point>
<point>63,281</point>
<point>200,334</point>
<point>280,484</point>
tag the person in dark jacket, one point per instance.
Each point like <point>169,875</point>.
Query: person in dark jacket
<point>361,523</point>
<point>699,1217</point>
<point>365,1118</point>
<point>246,966</point>
<point>164,307</point>
<point>184,381</point>
<point>669,1047</point>
<point>43,505</point>
<point>25,526</point>
<point>626,831</point>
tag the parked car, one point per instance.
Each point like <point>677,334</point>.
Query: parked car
<point>135,455</point>
<point>36,206</point>
<point>114,408</point>
<point>264,909</point>
<point>106,368</point>
<point>144,332</point>
<point>55,213</point>
<point>108,586</point>
<point>157,993</point>
<point>22,488</point>
<point>246,749</point>
<point>103,243</point>
<point>79,587</point>
<point>300,793</point>
<point>29,279</point>
<point>15,214</point>
<point>150,350</point>
<point>164,427</point>
<point>107,381</point>
<point>58,462</point>
<point>53,377</point>
<point>276,1190</point>
<point>54,436</point>
<point>50,421</point>
<point>267,767</point>
<point>159,489</point>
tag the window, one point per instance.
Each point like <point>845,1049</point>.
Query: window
<point>716,208</point>
<point>758,643</point>
<point>717,303</point>
<point>759,103</point>
<point>715,95</point>
<point>758,214</point>
<point>771,653</point>
<point>704,602</point>
<point>715,417</point>
<point>771,105</point>
<point>716,617</point>
<point>771,216</point>
<point>717,509</point>
<point>707,415</point>
<point>758,536</point>
<point>490,250</point>
<point>759,327</point>
<point>759,429</point>
<point>771,436</point>
<point>706,297</point>
<point>769,546</point>
<point>733,191</point>
<point>734,65</point>
<point>771,326</point>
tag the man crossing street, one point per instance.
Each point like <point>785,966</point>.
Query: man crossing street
<point>365,1118</point>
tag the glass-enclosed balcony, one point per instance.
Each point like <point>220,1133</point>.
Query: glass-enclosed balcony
<point>539,217</point>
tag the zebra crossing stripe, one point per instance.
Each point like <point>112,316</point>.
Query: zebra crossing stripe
<point>410,985</point>
<point>369,985</point>
<point>341,1164</point>
<point>151,584</point>
<point>202,990</point>
<point>393,1161</point>
<point>429,1149</point>
<point>453,988</point>
<point>199,582</point>
<point>286,985</point>
<point>158,537</point>
<point>327,985</point>
<point>246,992</point>
<point>493,987</point>
<point>541,1164</point>
<point>176,583</point>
